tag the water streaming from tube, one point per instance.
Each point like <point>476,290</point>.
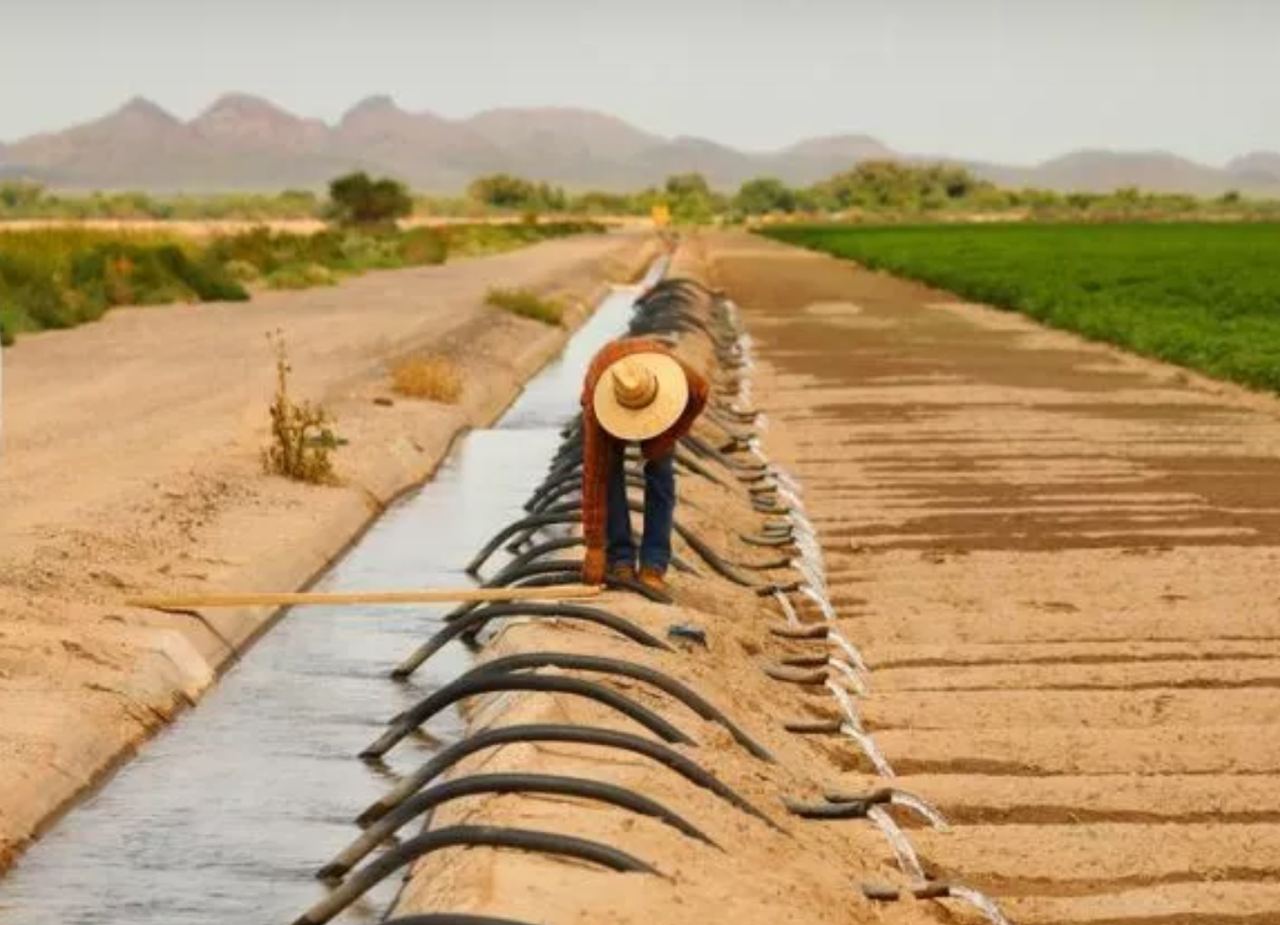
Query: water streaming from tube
<point>787,479</point>
<point>908,861</point>
<point>828,612</point>
<point>789,496</point>
<point>849,674</point>
<point>849,649</point>
<point>806,571</point>
<point>799,520</point>
<point>847,706</point>
<point>870,749</point>
<point>927,810</point>
<point>787,610</point>
<point>981,901</point>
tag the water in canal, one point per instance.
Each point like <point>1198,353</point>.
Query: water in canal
<point>224,818</point>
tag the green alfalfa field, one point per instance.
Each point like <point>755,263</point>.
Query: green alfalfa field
<point>1205,296</point>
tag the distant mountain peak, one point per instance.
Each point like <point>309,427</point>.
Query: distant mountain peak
<point>139,107</point>
<point>374,105</point>
<point>243,103</point>
<point>240,120</point>
<point>840,144</point>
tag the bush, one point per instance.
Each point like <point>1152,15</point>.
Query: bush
<point>432,377</point>
<point>243,271</point>
<point>58,278</point>
<point>423,247</point>
<point>763,195</point>
<point>300,276</point>
<point>526,304</point>
<point>302,437</point>
<point>357,199</point>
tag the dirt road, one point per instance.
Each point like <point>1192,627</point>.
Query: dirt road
<point>131,462</point>
<point>1063,564</point>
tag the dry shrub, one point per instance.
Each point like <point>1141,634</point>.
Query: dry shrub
<point>432,377</point>
<point>302,437</point>
<point>526,304</point>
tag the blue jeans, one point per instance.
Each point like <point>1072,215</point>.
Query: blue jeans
<point>659,512</point>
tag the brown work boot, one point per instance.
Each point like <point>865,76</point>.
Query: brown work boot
<point>622,572</point>
<point>653,579</point>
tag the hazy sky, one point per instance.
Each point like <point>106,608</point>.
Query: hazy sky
<point>1013,80</point>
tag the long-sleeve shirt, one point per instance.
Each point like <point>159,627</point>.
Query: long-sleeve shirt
<point>597,442</point>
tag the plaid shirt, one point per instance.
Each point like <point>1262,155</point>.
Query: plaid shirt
<point>597,443</point>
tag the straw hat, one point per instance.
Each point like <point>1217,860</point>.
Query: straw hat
<point>640,396</point>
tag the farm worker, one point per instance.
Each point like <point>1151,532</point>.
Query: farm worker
<point>635,391</point>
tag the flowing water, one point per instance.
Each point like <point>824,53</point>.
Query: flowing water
<point>850,652</point>
<point>225,817</point>
<point>908,861</point>
<point>828,612</point>
<point>787,610</point>
<point>982,902</point>
<point>848,672</point>
<point>921,806</point>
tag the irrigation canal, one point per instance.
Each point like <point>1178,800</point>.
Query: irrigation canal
<point>226,816</point>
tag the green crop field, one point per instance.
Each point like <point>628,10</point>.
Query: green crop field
<point>1206,296</point>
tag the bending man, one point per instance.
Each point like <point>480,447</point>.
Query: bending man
<point>635,391</point>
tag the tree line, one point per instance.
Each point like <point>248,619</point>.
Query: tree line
<point>883,188</point>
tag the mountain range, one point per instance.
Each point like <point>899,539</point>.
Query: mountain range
<point>243,142</point>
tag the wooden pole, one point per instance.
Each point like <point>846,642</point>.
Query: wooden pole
<point>421,596</point>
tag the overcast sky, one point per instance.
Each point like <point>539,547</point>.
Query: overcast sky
<point>1011,80</point>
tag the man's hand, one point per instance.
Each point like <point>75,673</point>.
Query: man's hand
<point>593,567</point>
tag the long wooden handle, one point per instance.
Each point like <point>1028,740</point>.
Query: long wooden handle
<point>422,596</point>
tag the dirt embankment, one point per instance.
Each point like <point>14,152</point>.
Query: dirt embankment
<point>130,462</point>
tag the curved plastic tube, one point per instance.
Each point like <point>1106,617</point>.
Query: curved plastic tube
<point>447,757</point>
<point>803,631</point>
<point>853,809</point>
<point>476,618</point>
<point>533,521</point>
<point>790,675</point>
<point>661,680</point>
<point>373,873</point>
<point>473,683</point>
<point>426,800</point>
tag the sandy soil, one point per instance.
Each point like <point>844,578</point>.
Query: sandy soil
<point>130,462</point>
<point>1063,565</point>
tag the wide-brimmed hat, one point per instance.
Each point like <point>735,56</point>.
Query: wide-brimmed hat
<point>640,396</point>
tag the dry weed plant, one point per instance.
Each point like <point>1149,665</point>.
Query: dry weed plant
<point>302,437</point>
<point>432,377</point>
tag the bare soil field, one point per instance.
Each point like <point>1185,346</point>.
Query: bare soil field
<point>130,463</point>
<point>1063,566</point>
